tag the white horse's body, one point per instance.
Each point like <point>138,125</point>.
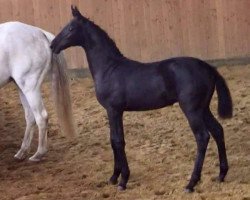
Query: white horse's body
<point>25,58</point>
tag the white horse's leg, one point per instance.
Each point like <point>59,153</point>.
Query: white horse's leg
<point>30,123</point>
<point>41,117</point>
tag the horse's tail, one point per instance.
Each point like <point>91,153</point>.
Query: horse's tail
<point>61,92</point>
<point>225,105</point>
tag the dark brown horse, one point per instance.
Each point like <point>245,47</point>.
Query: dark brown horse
<point>125,85</point>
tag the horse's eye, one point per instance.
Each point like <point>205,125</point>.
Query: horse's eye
<point>70,28</point>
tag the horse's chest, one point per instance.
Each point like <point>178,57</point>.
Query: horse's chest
<point>103,94</point>
<point>110,94</point>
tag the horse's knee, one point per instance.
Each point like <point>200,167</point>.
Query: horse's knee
<point>120,154</point>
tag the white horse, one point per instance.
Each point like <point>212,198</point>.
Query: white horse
<point>25,58</point>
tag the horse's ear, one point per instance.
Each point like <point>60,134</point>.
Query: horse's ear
<point>75,12</point>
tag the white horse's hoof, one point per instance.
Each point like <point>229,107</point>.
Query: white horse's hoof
<point>20,155</point>
<point>33,159</point>
<point>37,157</point>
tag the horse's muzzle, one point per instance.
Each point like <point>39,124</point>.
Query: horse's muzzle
<point>54,48</point>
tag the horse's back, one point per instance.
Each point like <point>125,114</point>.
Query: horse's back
<point>176,73</point>
<point>20,35</point>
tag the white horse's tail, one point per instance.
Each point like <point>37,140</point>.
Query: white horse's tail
<point>61,92</point>
<point>60,87</point>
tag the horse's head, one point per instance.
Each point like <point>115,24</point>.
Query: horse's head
<point>71,34</point>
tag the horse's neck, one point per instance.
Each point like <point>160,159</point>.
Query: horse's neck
<point>101,50</point>
<point>100,59</point>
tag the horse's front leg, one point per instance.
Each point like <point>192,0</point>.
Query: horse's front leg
<point>118,146</point>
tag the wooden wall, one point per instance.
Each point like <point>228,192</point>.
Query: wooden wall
<point>148,30</point>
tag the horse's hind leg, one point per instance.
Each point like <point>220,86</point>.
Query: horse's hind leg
<point>36,104</point>
<point>30,123</point>
<point>41,118</point>
<point>196,122</point>
<point>217,133</point>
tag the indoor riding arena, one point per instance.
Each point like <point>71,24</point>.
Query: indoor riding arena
<point>160,145</point>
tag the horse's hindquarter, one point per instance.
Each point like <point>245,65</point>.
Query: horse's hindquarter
<point>194,80</point>
<point>26,50</point>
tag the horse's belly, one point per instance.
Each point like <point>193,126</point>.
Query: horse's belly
<point>149,102</point>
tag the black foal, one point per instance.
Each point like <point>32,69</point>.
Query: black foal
<point>122,85</point>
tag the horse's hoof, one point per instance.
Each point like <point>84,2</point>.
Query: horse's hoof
<point>121,188</point>
<point>113,181</point>
<point>220,179</point>
<point>36,158</point>
<point>33,159</point>
<point>20,156</point>
<point>189,190</point>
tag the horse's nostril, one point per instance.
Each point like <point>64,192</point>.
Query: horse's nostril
<point>52,46</point>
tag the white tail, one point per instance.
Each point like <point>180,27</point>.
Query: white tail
<point>61,93</point>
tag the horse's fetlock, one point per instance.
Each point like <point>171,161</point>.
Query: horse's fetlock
<point>224,168</point>
<point>195,179</point>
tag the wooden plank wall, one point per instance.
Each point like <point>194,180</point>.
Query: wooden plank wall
<point>148,30</point>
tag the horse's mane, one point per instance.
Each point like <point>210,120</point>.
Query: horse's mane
<point>104,35</point>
